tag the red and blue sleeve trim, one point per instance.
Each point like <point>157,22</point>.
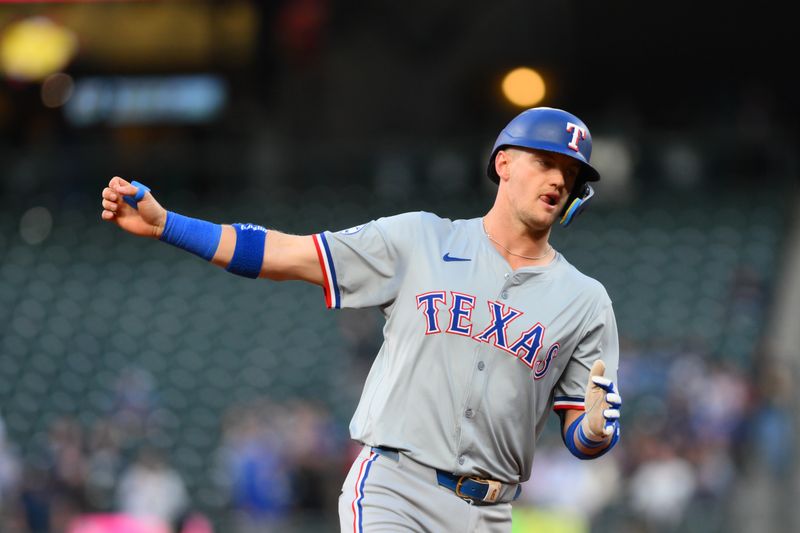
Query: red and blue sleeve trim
<point>568,402</point>
<point>331,286</point>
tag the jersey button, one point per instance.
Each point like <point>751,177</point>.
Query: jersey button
<point>461,460</point>
<point>469,413</point>
<point>481,365</point>
<point>504,295</point>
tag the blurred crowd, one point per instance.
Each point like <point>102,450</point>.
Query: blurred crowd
<point>281,466</point>
<point>278,467</point>
<point>103,467</point>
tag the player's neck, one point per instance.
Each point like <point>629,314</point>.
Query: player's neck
<point>520,245</point>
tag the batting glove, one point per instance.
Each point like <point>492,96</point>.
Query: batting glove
<point>602,405</point>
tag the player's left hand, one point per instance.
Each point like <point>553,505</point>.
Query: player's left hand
<point>146,219</point>
<point>602,403</point>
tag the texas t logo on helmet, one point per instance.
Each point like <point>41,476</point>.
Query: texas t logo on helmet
<point>552,130</point>
<point>578,133</point>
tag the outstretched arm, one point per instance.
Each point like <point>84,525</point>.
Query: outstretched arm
<point>283,256</point>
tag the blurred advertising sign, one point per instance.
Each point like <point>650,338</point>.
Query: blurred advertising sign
<point>123,101</point>
<point>116,523</point>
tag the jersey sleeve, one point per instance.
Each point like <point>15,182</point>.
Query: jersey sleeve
<point>364,266</point>
<point>599,341</point>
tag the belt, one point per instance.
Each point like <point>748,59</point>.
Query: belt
<point>473,489</point>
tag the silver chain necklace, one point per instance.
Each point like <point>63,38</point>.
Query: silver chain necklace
<point>535,258</point>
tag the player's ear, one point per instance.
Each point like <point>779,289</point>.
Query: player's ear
<point>501,163</point>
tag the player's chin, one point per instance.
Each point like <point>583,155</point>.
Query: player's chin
<point>548,214</point>
<point>540,222</point>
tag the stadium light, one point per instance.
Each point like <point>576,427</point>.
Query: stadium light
<point>524,87</point>
<point>34,48</point>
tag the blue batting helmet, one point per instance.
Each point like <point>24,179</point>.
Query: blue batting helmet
<point>552,130</point>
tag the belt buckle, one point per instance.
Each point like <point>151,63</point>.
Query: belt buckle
<point>458,488</point>
<point>492,492</point>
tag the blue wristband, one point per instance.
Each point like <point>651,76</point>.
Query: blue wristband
<point>586,442</point>
<point>569,440</point>
<point>193,235</point>
<point>248,256</point>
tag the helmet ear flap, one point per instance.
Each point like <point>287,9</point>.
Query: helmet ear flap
<point>576,203</point>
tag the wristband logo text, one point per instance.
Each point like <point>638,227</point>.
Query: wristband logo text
<point>252,227</point>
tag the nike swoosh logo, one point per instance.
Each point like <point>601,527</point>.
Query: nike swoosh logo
<point>447,257</point>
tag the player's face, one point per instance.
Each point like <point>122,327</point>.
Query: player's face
<point>539,184</point>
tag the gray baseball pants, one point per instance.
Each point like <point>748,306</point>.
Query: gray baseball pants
<point>383,494</point>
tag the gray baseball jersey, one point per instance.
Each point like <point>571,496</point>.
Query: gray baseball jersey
<point>474,354</point>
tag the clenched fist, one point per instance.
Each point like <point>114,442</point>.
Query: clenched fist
<point>147,219</point>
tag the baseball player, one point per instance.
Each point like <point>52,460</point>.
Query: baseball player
<point>488,327</point>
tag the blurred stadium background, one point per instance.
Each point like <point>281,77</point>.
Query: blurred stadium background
<point>136,380</point>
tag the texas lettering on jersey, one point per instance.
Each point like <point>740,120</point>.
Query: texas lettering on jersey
<point>526,348</point>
